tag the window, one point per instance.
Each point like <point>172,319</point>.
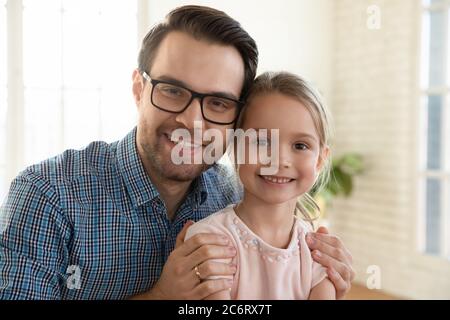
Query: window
<point>3,98</point>
<point>435,123</point>
<point>75,77</point>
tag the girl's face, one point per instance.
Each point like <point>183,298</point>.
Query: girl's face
<point>299,149</point>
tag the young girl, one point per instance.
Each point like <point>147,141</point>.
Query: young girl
<point>273,260</point>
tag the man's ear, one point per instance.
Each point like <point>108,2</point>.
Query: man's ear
<point>323,156</point>
<point>138,87</point>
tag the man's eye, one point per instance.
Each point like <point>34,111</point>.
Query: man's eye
<point>300,146</point>
<point>171,91</point>
<point>219,105</point>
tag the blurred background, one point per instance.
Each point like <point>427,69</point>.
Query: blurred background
<point>383,67</point>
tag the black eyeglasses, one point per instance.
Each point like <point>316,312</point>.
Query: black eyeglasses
<point>175,99</point>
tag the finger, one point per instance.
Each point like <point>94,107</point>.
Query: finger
<point>207,252</point>
<point>342,287</point>
<point>323,247</point>
<point>182,234</point>
<point>322,229</point>
<point>209,287</point>
<point>332,240</point>
<point>336,242</point>
<point>190,278</point>
<point>329,262</point>
<point>212,268</point>
<point>201,239</point>
<point>197,278</point>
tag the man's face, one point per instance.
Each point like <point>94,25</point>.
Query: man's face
<point>197,65</point>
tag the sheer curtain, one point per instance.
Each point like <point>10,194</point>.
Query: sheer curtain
<point>66,77</point>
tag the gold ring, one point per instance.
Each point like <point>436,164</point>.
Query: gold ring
<point>197,273</point>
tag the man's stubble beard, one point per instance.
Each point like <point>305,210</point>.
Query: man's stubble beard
<point>166,169</point>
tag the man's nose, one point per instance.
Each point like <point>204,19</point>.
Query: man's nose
<point>192,113</point>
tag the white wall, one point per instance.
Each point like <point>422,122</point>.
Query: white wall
<point>292,35</point>
<point>375,107</point>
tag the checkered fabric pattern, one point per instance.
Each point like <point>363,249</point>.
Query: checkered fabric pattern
<point>89,224</point>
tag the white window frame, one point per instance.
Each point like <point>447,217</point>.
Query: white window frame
<point>15,89</point>
<point>15,138</point>
<point>442,174</point>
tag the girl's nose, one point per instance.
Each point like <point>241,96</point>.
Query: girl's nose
<point>286,164</point>
<point>285,158</point>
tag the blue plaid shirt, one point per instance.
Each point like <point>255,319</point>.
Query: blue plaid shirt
<point>89,224</point>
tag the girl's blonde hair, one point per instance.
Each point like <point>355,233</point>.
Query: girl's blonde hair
<point>296,87</point>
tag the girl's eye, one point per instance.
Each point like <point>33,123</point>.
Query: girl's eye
<point>300,146</point>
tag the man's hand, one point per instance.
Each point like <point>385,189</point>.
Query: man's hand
<point>178,279</point>
<point>329,251</point>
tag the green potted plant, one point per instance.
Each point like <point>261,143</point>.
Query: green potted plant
<point>342,172</point>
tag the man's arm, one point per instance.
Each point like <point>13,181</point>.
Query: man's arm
<point>32,240</point>
<point>178,279</point>
<point>329,251</point>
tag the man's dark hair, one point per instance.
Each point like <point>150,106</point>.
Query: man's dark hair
<point>203,23</point>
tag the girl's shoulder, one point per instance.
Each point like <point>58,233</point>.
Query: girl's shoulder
<point>303,225</point>
<point>217,222</point>
<point>218,217</point>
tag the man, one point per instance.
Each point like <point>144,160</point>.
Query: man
<point>108,222</point>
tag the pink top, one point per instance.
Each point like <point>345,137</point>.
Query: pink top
<point>263,271</point>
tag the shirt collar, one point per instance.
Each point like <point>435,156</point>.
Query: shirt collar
<point>200,189</point>
<point>137,182</point>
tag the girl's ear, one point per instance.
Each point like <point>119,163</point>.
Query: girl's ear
<point>323,156</point>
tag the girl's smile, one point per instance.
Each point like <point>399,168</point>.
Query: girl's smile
<point>276,179</point>
<point>298,149</point>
